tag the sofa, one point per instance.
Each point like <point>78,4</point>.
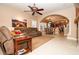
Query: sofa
<point>6,41</point>
<point>32,32</point>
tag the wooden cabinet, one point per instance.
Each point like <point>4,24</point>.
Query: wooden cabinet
<point>23,45</point>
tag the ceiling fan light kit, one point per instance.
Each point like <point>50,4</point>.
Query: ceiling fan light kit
<point>34,10</point>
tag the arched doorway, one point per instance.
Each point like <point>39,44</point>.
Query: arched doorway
<point>56,24</point>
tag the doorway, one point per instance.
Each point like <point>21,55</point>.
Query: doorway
<point>56,25</point>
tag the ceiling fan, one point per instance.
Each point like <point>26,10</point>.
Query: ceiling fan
<point>35,9</point>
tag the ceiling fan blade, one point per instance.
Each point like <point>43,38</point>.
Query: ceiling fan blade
<point>39,13</point>
<point>27,11</point>
<point>40,9</point>
<point>30,7</point>
<point>33,13</point>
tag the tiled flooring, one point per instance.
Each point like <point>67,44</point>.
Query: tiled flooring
<point>57,46</point>
<point>38,41</point>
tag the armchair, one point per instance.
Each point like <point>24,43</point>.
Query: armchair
<point>6,40</point>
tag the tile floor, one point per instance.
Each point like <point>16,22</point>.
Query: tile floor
<point>57,46</point>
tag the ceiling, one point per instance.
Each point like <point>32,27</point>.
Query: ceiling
<point>48,7</point>
<point>56,19</point>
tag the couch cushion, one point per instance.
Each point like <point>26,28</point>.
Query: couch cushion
<point>33,29</point>
<point>9,46</point>
<point>6,32</point>
<point>1,52</point>
<point>2,38</point>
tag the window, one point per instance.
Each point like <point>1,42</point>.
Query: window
<point>34,23</point>
<point>42,26</point>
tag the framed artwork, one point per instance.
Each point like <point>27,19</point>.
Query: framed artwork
<point>17,23</point>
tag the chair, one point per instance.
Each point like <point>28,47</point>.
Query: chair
<point>2,41</point>
<point>7,42</point>
<point>1,52</point>
<point>6,32</point>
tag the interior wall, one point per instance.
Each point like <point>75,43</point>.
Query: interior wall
<point>7,13</point>
<point>70,14</point>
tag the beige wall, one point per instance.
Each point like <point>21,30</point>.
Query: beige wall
<point>70,14</point>
<point>8,13</point>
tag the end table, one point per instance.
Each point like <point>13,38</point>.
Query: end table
<point>23,43</point>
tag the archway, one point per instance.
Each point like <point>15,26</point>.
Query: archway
<point>56,24</point>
